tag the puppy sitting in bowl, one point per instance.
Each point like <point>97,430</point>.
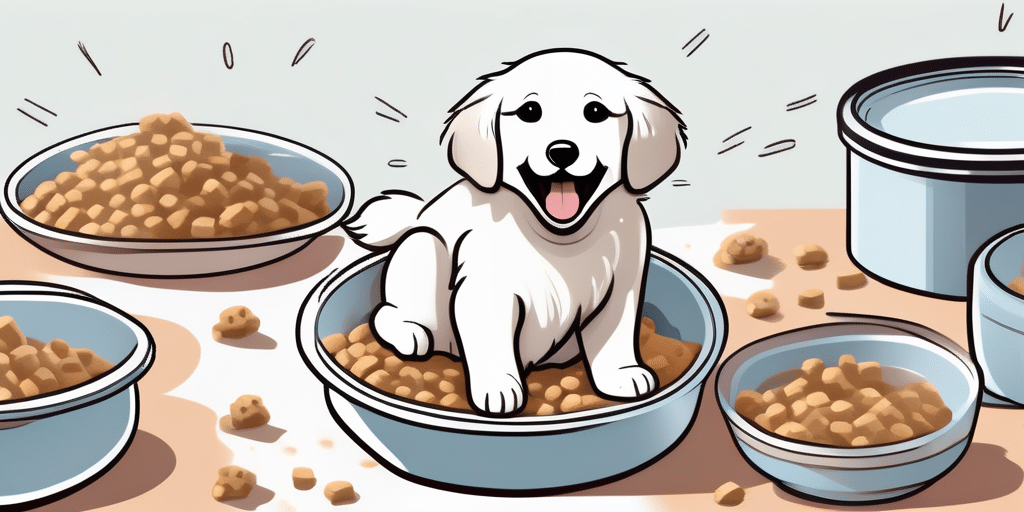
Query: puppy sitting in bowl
<point>540,252</point>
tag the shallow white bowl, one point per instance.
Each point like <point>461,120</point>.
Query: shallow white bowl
<point>179,258</point>
<point>55,443</point>
<point>843,475</point>
<point>526,455</point>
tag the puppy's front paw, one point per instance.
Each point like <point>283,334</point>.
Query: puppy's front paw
<point>497,393</point>
<point>407,338</point>
<point>625,382</point>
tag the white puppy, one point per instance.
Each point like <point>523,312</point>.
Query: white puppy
<point>540,253</point>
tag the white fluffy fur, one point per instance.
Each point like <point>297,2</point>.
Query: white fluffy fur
<point>485,273</point>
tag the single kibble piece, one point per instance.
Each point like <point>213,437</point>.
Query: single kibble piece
<point>236,322</point>
<point>233,482</point>
<point>810,256</point>
<point>853,280</point>
<point>811,299</point>
<point>303,479</point>
<point>729,494</point>
<point>762,304</point>
<point>742,248</point>
<point>339,492</point>
<point>248,411</point>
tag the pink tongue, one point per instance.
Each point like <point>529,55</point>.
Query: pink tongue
<point>562,202</point>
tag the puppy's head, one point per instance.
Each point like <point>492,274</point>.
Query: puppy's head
<point>562,128</point>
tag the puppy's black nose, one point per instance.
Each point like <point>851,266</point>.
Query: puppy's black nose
<point>562,153</point>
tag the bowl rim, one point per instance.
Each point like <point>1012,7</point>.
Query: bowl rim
<point>989,248</point>
<point>989,165</point>
<point>833,456</point>
<point>124,374</point>
<point>25,225</point>
<point>354,390</point>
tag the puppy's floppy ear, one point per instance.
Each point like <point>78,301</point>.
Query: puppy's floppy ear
<point>656,140</point>
<point>472,134</point>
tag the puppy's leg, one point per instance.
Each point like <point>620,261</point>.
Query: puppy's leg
<point>487,325</point>
<point>609,344</point>
<point>413,316</point>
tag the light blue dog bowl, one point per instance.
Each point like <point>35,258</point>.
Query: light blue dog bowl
<point>56,443</point>
<point>526,455</point>
<point>996,318</point>
<point>844,475</point>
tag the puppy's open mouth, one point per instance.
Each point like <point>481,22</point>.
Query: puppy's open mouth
<point>562,195</point>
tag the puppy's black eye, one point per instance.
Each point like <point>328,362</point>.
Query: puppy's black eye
<point>529,112</point>
<point>596,112</point>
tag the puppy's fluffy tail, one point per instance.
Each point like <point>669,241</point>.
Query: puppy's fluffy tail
<point>384,219</point>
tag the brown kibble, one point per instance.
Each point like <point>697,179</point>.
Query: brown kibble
<point>571,402</point>
<point>238,215</point>
<point>841,410</point>
<point>794,430</point>
<point>236,322</point>
<point>836,382</point>
<point>810,256</point>
<point>11,336</point>
<point>339,492</point>
<point>203,227</point>
<point>364,365</point>
<point>742,248</point>
<point>303,478</point>
<point>901,431</point>
<point>424,396</point>
<point>842,432</point>
<point>335,342</point>
<point>248,411</point>
<point>749,403</point>
<point>729,494</point>
<point>762,304</point>
<point>552,393</point>
<point>361,334</point>
<point>570,383</point>
<point>45,380</point>
<point>799,410</point>
<point>851,281</point>
<point>865,398</point>
<point>378,378</point>
<point>795,390</point>
<point>811,299</point>
<point>774,416</point>
<point>811,369</point>
<point>233,482</point>
<point>24,361</point>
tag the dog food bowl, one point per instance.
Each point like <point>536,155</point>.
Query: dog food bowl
<point>523,455</point>
<point>996,318</point>
<point>935,166</point>
<point>54,444</point>
<point>184,257</point>
<point>844,475</point>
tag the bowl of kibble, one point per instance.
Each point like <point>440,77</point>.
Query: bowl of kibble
<point>167,198</point>
<point>996,316</point>
<point>413,416</point>
<point>860,410</point>
<point>69,401</point>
